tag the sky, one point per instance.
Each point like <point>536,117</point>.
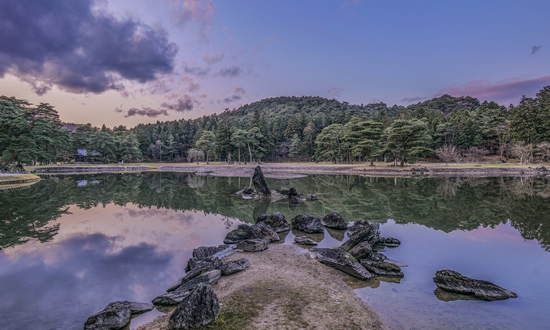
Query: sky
<point>125,62</point>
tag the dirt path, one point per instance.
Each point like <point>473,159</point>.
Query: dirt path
<point>286,289</point>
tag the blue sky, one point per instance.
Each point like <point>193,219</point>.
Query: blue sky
<point>126,62</point>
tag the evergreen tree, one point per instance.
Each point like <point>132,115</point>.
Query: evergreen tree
<point>408,140</point>
<point>363,138</point>
<point>329,143</point>
<point>207,143</point>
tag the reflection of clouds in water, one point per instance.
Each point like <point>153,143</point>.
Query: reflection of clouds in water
<point>82,282</point>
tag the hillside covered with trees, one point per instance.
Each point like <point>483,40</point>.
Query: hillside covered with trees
<point>290,128</point>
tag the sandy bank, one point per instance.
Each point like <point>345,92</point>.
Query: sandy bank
<point>8,181</point>
<point>286,289</point>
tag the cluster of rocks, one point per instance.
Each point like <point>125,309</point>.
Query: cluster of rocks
<point>261,191</point>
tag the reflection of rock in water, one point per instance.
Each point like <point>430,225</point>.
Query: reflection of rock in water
<point>451,296</point>
<point>260,207</point>
<point>372,282</point>
<point>317,237</point>
<point>338,235</point>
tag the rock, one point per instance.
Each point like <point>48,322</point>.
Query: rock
<point>452,281</point>
<point>171,298</point>
<point>334,220</point>
<point>253,245</point>
<point>203,276</point>
<point>337,234</point>
<point>243,226</point>
<point>378,257</point>
<point>248,191</point>
<point>116,315</point>
<point>259,182</point>
<point>236,236</point>
<point>296,199</point>
<point>205,251</point>
<point>292,192</point>
<point>368,233</point>
<point>312,197</point>
<point>357,225</point>
<point>198,308</point>
<point>341,260</point>
<point>307,223</point>
<point>235,266</point>
<point>276,221</point>
<point>213,260</point>
<point>395,262</point>
<point>382,268</point>
<point>304,241</point>
<point>361,251</point>
<point>378,244</point>
<point>392,242</point>
<point>283,191</point>
<point>262,231</point>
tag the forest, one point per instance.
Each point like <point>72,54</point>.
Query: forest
<point>452,129</point>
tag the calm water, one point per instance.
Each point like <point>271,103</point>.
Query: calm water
<point>72,244</point>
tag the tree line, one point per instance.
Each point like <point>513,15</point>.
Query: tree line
<point>451,128</point>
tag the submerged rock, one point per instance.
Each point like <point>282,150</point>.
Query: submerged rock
<point>253,245</point>
<point>341,260</point>
<point>334,220</point>
<point>392,242</point>
<point>200,307</point>
<point>304,241</point>
<point>296,199</point>
<point>307,223</point>
<point>452,281</point>
<point>276,221</point>
<point>259,182</point>
<point>235,266</point>
<point>262,231</point>
<point>382,268</point>
<point>116,315</point>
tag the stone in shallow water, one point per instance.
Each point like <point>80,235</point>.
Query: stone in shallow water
<point>276,221</point>
<point>452,281</point>
<point>370,234</point>
<point>312,197</point>
<point>236,236</point>
<point>361,251</point>
<point>259,182</point>
<point>334,220</point>
<point>263,231</point>
<point>307,223</point>
<point>392,242</point>
<point>235,266</point>
<point>304,240</point>
<point>253,245</point>
<point>116,315</point>
<point>382,268</point>
<point>198,308</point>
<point>341,260</point>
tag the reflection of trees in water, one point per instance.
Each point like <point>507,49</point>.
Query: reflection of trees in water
<point>445,204</point>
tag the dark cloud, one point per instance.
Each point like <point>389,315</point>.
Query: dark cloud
<point>413,99</point>
<point>196,70</point>
<point>535,49</point>
<point>231,99</point>
<point>212,58</point>
<point>229,72</point>
<point>79,49</point>
<point>183,104</point>
<point>146,111</point>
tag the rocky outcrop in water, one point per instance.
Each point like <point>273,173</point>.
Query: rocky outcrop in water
<point>452,281</point>
<point>362,250</point>
<point>200,307</point>
<point>116,315</point>
<point>369,233</point>
<point>307,223</point>
<point>334,220</point>
<point>259,182</point>
<point>304,241</point>
<point>341,260</point>
<point>276,221</point>
<point>253,245</point>
<point>262,231</point>
<point>382,268</point>
<point>235,266</point>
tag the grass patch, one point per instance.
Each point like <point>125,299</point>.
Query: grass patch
<point>18,178</point>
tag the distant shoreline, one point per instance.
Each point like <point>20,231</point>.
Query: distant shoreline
<point>16,180</point>
<point>296,170</point>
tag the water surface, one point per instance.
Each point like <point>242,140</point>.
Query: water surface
<point>72,244</point>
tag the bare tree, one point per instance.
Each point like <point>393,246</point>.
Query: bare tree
<point>448,153</point>
<point>474,154</point>
<point>523,151</point>
<point>543,151</point>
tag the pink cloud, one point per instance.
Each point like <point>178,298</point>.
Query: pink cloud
<point>200,11</point>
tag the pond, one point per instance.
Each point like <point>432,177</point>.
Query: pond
<point>71,244</point>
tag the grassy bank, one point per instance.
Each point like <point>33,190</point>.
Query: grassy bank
<point>9,181</point>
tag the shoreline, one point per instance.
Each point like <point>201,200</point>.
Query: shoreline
<point>9,181</point>
<point>300,170</point>
<point>284,288</point>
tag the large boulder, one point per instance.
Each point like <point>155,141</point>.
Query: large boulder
<point>341,260</point>
<point>370,234</point>
<point>452,281</point>
<point>307,223</point>
<point>361,251</point>
<point>253,245</point>
<point>334,220</point>
<point>200,307</point>
<point>262,231</point>
<point>213,261</point>
<point>171,298</point>
<point>116,315</point>
<point>292,192</point>
<point>259,182</point>
<point>276,221</point>
<point>208,254</point>
<point>382,268</point>
<point>304,241</point>
<point>199,276</point>
<point>236,236</point>
<point>357,225</point>
<point>235,266</point>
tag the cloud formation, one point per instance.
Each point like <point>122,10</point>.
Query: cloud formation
<point>196,70</point>
<point>535,49</point>
<point>199,11</point>
<point>213,58</point>
<point>229,72</point>
<point>183,104</point>
<point>145,111</point>
<point>77,48</point>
